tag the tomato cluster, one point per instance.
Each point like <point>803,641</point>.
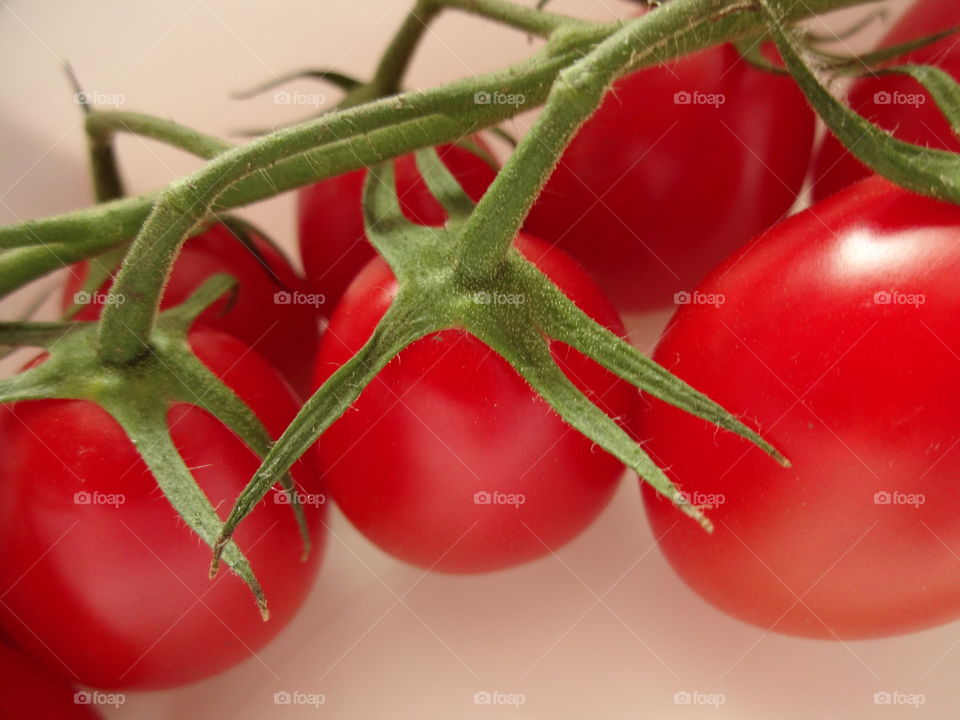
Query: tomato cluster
<point>833,333</point>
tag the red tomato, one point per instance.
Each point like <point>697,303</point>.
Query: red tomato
<point>898,103</point>
<point>448,459</point>
<point>286,333</point>
<point>102,580</point>
<point>680,165</point>
<point>29,691</point>
<point>333,243</point>
<point>838,338</point>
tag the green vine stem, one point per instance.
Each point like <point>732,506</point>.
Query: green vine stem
<point>107,182</point>
<point>42,246</point>
<point>337,79</point>
<point>574,97</point>
<point>395,61</point>
<point>34,334</point>
<point>928,171</point>
<point>536,22</point>
<point>183,204</point>
<point>393,64</point>
<point>97,229</point>
<point>102,126</point>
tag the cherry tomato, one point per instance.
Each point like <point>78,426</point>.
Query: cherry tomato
<point>28,690</point>
<point>270,310</point>
<point>897,103</point>
<point>835,334</point>
<point>101,579</point>
<point>680,165</point>
<point>333,243</point>
<point>448,459</point>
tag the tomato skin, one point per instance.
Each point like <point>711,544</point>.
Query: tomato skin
<point>406,471</point>
<point>667,214</point>
<point>920,123</point>
<point>29,691</point>
<point>858,393</point>
<point>286,334</point>
<point>111,588</point>
<point>333,244</point>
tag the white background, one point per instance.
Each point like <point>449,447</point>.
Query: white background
<point>604,629</point>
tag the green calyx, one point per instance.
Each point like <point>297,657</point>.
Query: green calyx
<point>434,295</point>
<point>139,395</point>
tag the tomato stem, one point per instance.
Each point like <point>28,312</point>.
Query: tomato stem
<point>102,125</point>
<point>928,171</point>
<point>396,58</point>
<point>83,233</point>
